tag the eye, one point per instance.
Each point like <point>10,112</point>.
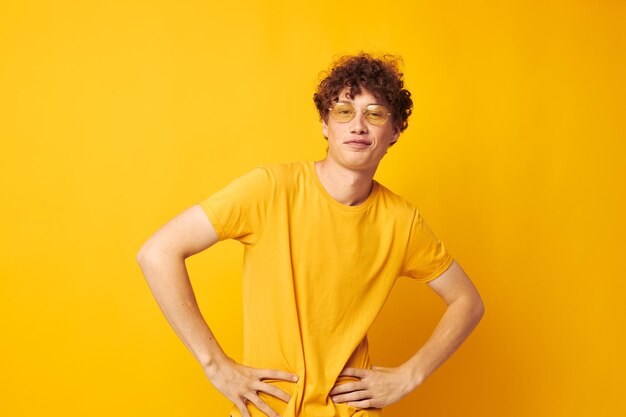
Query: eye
<point>377,112</point>
<point>343,109</point>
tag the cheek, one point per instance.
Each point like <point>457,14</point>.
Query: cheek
<point>333,131</point>
<point>389,135</point>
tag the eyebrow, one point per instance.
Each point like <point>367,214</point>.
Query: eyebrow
<point>350,102</point>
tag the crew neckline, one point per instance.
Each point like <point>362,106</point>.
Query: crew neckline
<point>364,205</point>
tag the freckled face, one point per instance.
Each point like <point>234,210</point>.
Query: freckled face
<point>358,144</point>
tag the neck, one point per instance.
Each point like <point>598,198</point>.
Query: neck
<point>347,186</point>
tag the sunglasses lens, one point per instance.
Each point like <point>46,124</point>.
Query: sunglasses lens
<point>342,112</point>
<point>376,115</point>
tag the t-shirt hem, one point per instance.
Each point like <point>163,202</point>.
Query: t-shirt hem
<point>217,225</point>
<point>438,271</point>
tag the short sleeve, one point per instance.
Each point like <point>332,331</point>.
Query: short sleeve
<point>426,256</point>
<point>239,210</point>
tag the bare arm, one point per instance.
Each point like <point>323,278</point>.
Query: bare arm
<point>380,386</point>
<point>465,310</point>
<point>162,260</point>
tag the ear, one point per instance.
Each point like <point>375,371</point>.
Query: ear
<point>395,136</point>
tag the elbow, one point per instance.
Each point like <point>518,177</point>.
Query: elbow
<point>141,255</point>
<point>473,306</point>
<point>478,309</point>
<point>155,253</point>
<point>144,254</point>
<point>147,264</point>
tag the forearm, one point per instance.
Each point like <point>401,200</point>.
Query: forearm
<point>460,318</point>
<point>169,282</point>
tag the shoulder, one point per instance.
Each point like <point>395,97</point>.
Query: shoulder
<point>285,168</point>
<point>395,201</point>
<point>287,173</point>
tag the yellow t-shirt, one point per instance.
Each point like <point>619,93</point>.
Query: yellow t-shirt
<point>316,274</point>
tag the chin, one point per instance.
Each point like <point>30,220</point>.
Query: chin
<point>359,164</point>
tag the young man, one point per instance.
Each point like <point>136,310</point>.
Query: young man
<point>324,243</point>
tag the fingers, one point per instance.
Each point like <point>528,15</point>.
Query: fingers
<point>367,403</point>
<point>242,384</point>
<point>262,405</point>
<point>259,386</point>
<point>275,391</point>
<point>347,387</point>
<point>276,374</point>
<point>258,402</point>
<point>377,387</point>
<point>352,397</point>
<point>243,409</point>
<point>357,372</point>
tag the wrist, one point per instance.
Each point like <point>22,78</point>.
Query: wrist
<point>415,375</point>
<point>213,364</point>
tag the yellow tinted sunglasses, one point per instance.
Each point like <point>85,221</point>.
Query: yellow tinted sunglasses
<point>375,114</point>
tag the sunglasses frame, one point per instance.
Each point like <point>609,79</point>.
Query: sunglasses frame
<point>365,110</point>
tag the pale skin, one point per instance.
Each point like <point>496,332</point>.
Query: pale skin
<point>355,149</point>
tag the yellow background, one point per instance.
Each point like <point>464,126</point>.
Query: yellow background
<point>115,116</point>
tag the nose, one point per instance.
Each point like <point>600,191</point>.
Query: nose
<point>358,124</point>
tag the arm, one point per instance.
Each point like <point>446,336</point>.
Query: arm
<point>162,260</point>
<point>465,310</point>
<point>380,387</point>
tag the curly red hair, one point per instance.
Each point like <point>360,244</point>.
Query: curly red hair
<point>381,76</point>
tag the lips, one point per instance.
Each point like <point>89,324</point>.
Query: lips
<point>361,142</point>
